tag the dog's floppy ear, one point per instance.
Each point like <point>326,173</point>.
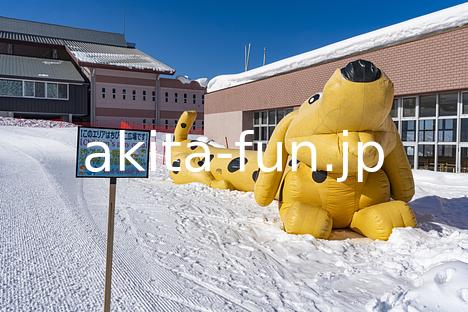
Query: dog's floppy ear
<point>184,125</point>
<point>267,183</point>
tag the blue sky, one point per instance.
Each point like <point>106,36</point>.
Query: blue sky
<point>207,38</point>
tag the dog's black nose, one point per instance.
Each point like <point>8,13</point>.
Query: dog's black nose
<point>361,71</point>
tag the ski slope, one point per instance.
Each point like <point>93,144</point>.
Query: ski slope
<point>192,248</point>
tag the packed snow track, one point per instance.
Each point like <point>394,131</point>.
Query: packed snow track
<point>192,248</point>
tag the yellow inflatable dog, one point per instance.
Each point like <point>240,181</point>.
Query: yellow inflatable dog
<point>358,99</point>
<point>224,171</point>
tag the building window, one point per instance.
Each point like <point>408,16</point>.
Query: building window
<point>203,124</point>
<point>103,93</point>
<point>134,95</point>
<point>447,130</point>
<point>426,157</point>
<point>264,123</point>
<point>442,130</point>
<point>448,104</point>
<point>52,90</point>
<point>464,159</point>
<point>36,89</point>
<point>194,99</point>
<point>28,88</point>
<point>410,154</point>
<point>409,107</point>
<point>113,93</point>
<point>465,102</point>
<point>167,96</point>
<point>464,130</point>
<point>427,106</point>
<point>153,94</point>
<point>394,111</point>
<point>62,91</point>
<point>11,88</point>
<point>426,130</point>
<point>185,98</point>
<point>446,158</point>
<point>408,130</point>
<point>144,95</point>
<point>124,94</point>
<point>175,97</point>
<point>166,123</point>
<point>39,89</point>
<point>203,99</point>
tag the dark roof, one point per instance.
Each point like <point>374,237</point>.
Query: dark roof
<point>61,32</point>
<point>37,68</point>
<point>30,38</point>
<point>88,47</point>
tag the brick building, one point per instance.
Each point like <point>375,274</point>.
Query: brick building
<point>52,71</point>
<point>429,71</point>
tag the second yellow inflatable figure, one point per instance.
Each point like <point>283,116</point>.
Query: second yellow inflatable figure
<point>354,107</point>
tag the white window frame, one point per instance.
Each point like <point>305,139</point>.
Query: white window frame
<point>34,97</point>
<point>458,119</point>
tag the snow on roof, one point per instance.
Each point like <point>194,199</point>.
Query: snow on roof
<point>116,56</point>
<point>455,16</point>
<point>203,82</point>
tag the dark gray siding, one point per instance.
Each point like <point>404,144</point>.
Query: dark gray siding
<point>76,104</point>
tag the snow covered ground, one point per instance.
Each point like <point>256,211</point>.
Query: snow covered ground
<point>192,248</point>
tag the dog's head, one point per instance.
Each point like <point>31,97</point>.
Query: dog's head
<point>357,97</point>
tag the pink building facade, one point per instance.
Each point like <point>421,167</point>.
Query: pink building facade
<point>142,98</point>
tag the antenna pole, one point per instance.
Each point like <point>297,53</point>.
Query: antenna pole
<point>248,58</point>
<point>264,56</point>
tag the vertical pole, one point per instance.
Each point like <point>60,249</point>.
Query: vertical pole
<point>248,58</point>
<point>110,244</point>
<point>93,96</point>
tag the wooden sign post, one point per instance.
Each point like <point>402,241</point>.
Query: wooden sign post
<point>110,244</point>
<point>111,153</point>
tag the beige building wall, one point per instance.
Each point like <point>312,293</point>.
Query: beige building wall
<point>231,123</point>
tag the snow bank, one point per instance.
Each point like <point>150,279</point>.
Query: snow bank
<point>203,82</point>
<point>209,141</point>
<point>34,123</point>
<point>455,16</point>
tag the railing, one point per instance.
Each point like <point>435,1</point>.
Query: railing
<point>133,126</point>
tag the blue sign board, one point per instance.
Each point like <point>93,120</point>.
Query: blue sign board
<point>112,153</point>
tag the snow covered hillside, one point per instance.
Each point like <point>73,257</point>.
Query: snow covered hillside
<point>192,248</point>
